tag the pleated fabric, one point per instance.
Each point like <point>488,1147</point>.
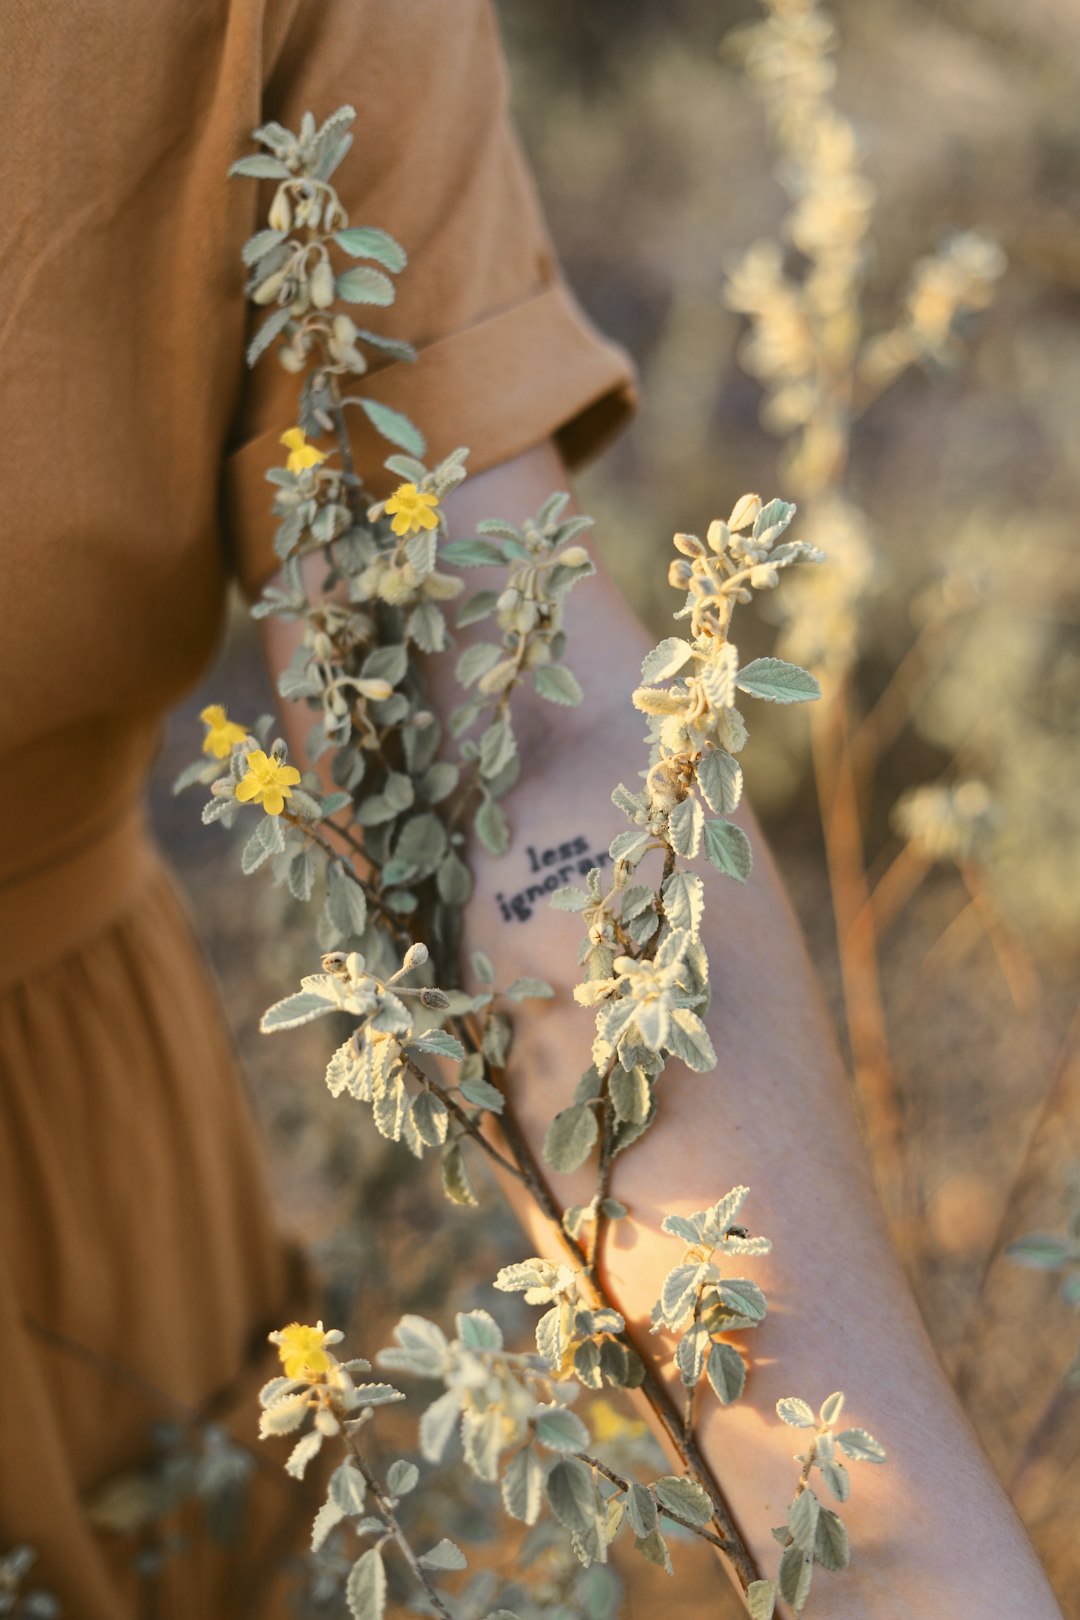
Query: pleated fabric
<point>140,1265</point>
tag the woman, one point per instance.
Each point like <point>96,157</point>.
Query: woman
<point>141,1268</point>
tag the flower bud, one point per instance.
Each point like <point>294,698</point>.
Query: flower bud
<point>745,512</point>
<point>267,291</point>
<point>434,998</point>
<point>415,956</point>
<point>280,216</point>
<point>574,557</point>
<point>688,544</point>
<point>322,285</point>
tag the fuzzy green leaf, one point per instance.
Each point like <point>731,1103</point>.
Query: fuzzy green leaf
<point>797,1413</point>
<point>860,1446</point>
<point>366,286</point>
<point>795,1574</point>
<point>440,1042</point>
<point>557,685</point>
<point>492,827</point>
<point>365,1589</point>
<point>444,1555</point>
<point>761,1600</point>
<point>561,1430</point>
<point>526,989</point>
<point>831,1546</point>
<point>572,1495</point>
<point>390,423</point>
<point>720,779</point>
<point>726,1372</point>
<point>666,660</point>
<point>475,553</point>
<point>684,1498</point>
<point>483,1095</point>
<point>803,1518</point>
<point>641,1510</point>
<point>364,242</point>
<point>570,1138</point>
<point>523,1486</point>
<point>777,681</point>
<point>297,1009</point>
<point>455,1178</point>
<point>728,847</point>
<point>837,1479</point>
<point>260,166</point>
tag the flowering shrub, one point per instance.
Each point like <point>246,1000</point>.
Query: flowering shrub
<point>387,854</point>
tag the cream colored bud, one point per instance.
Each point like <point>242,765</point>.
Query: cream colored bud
<point>280,216</point>
<point>718,536</point>
<point>745,512</point>
<point>688,544</point>
<point>321,645</point>
<point>344,330</point>
<point>574,557</point>
<point>415,956</point>
<point>326,1422</point>
<point>267,291</point>
<point>334,962</point>
<point>679,574</point>
<point>322,285</point>
<point>375,691</point>
<point>291,359</point>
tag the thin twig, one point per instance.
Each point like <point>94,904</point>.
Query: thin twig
<point>386,1508</point>
<point>676,1518</point>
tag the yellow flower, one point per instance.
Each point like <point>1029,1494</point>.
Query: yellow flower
<point>301,1351</point>
<point>412,510</point>
<point>301,454</point>
<point>221,732</point>
<point>608,1423</point>
<point>268,782</point>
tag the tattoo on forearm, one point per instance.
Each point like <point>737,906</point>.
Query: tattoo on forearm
<point>554,868</point>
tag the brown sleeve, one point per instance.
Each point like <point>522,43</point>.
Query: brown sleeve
<point>506,356</point>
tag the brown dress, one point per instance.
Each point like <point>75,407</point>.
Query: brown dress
<point>140,1269</point>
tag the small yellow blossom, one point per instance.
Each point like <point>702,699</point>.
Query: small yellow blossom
<point>222,734</point>
<point>301,454</point>
<point>412,509</point>
<point>609,1424</point>
<point>302,1351</point>
<point>268,782</point>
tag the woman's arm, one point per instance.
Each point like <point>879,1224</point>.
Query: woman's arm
<point>932,1533</point>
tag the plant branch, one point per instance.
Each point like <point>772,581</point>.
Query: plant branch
<point>386,1508</point>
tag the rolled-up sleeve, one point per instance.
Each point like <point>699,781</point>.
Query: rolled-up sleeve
<point>505,356</point>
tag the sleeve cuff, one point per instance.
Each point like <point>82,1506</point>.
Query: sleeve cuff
<point>533,371</point>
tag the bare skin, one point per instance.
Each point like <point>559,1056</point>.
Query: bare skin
<point>932,1532</point>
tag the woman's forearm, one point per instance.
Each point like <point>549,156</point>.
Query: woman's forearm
<point>932,1532</point>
